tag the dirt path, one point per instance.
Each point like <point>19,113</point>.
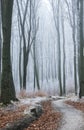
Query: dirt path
<point>72,119</point>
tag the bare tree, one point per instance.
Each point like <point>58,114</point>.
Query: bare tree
<point>28,37</point>
<point>35,27</point>
<point>0,46</point>
<point>7,84</point>
<point>81,45</point>
<point>64,56</point>
<point>72,20</point>
<point>56,15</point>
<point>20,54</point>
<point>25,49</point>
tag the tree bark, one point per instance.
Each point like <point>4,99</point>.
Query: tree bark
<point>81,63</point>
<point>59,51</point>
<point>7,84</point>
<point>74,41</point>
<point>63,31</point>
<point>0,48</point>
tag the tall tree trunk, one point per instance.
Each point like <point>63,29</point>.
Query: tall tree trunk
<point>25,49</point>
<point>81,67</point>
<point>20,58</point>
<point>7,84</point>
<point>59,51</point>
<point>78,40</point>
<point>24,68</point>
<point>36,73</point>
<point>63,31</point>
<point>0,48</point>
<point>20,75</point>
<point>74,41</point>
<point>75,66</point>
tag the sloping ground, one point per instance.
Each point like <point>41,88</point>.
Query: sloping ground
<point>48,121</point>
<point>73,119</point>
<point>10,115</point>
<point>15,111</point>
<point>57,114</point>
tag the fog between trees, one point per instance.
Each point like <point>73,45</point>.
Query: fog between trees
<point>46,45</point>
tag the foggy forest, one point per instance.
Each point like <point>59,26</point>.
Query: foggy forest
<point>41,64</point>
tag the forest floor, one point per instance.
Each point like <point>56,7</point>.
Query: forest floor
<point>58,114</point>
<point>49,120</point>
<point>72,118</point>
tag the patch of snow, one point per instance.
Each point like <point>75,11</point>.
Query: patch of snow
<point>32,101</point>
<point>57,97</point>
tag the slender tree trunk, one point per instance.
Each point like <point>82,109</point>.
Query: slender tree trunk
<point>34,79</point>
<point>78,40</point>
<point>0,48</point>
<point>75,66</point>
<point>81,71</point>
<point>20,54</point>
<point>34,64</point>
<point>74,41</point>
<point>20,75</point>
<point>57,26</point>
<point>63,31</point>
<point>73,26</point>
<point>59,52</point>
<point>42,69</point>
<point>25,49</point>
<point>36,76</point>
<point>25,63</point>
<point>7,84</point>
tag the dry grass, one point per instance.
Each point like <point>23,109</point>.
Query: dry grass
<point>41,94</point>
<point>24,94</point>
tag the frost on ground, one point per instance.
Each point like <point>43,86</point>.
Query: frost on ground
<point>17,110</point>
<point>72,119</point>
<point>32,100</point>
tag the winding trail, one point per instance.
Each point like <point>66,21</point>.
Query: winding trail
<point>73,119</point>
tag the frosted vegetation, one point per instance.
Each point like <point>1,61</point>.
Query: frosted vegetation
<point>46,46</point>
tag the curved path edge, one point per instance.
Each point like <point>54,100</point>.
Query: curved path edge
<point>72,119</point>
